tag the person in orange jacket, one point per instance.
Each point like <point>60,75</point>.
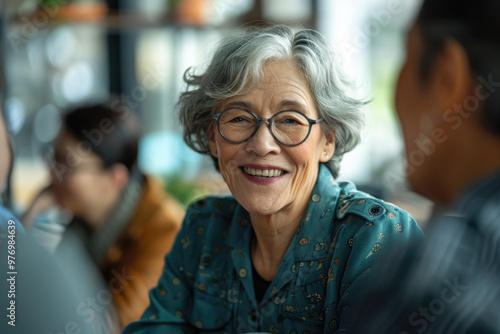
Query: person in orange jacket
<point>122,217</point>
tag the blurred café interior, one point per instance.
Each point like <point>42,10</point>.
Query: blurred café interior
<point>56,54</point>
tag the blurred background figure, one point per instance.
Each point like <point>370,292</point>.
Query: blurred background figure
<point>448,100</point>
<point>123,218</point>
<point>41,295</point>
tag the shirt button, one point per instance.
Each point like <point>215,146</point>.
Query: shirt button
<point>243,273</point>
<point>350,242</point>
<point>206,260</point>
<point>375,210</point>
<point>319,246</point>
<point>253,316</point>
<point>201,204</point>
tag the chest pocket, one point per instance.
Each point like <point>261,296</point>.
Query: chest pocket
<point>213,302</point>
<point>306,304</point>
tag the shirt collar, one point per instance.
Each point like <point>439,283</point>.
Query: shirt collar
<point>475,196</point>
<point>312,239</point>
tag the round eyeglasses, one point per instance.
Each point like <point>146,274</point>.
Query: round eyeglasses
<point>288,127</point>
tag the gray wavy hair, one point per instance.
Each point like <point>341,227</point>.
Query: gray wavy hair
<point>237,66</point>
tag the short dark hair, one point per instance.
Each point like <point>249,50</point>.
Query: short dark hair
<point>476,26</point>
<point>112,135</point>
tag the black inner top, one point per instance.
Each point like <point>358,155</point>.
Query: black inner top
<point>260,285</point>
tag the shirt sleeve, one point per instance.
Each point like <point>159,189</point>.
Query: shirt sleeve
<point>364,244</point>
<point>171,298</point>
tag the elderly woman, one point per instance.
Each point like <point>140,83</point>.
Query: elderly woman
<point>292,249</point>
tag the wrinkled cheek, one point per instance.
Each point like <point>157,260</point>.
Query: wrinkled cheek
<point>304,179</point>
<point>229,170</point>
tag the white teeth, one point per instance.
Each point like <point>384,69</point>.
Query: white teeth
<point>263,172</point>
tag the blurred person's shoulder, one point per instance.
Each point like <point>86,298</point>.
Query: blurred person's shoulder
<point>158,207</point>
<point>9,221</point>
<point>40,296</point>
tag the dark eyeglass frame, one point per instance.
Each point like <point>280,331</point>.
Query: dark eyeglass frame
<point>269,121</point>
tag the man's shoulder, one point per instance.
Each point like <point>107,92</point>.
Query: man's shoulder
<point>7,218</point>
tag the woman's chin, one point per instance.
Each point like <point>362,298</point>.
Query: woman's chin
<point>259,205</point>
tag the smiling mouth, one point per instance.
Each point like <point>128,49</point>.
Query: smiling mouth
<point>263,173</point>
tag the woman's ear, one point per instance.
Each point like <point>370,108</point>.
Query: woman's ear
<point>328,148</point>
<point>211,140</point>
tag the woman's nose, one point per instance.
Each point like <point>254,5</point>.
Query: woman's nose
<point>262,142</point>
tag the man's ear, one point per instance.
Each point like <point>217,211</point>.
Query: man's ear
<point>451,75</point>
<point>120,176</point>
<point>328,147</point>
<point>211,140</point>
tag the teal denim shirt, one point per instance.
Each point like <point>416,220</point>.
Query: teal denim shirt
<point>207,287</point>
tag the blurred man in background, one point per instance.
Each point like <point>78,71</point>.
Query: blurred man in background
<point>448,103</point>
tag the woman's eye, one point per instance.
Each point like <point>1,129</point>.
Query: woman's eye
<point>291,121</point>
<point>238,120</point>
